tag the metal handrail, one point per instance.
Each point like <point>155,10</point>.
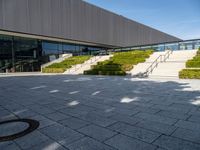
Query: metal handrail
<point>162,58</point>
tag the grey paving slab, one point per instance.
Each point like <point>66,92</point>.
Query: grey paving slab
<point>9,145</point>
<point>30,140</point>
<point>61,134</point>
<point>98,133</point>
<point>97,119</point>
<point>195,119</point>
<point>174,115</point>
<point>88,144</point>
<point>48,145</point>
<point>157,127</point>
<point>188,125</point>
<point>135,132</point>
<point>147,107</point>
<point>74,123</point>
<point>126,119</point>
<point>170,108</point>
<point>57,116</point>
<point>171,143</point>
<point>193,136</point>
<point>41,109</point>
<point>44,121</point>
<point>156,118</point>
<point>122,142</point>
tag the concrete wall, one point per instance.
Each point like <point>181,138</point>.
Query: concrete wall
<point>76,20</point>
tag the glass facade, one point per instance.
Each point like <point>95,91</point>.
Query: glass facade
<point>19,54</point>
<point>183,45</point>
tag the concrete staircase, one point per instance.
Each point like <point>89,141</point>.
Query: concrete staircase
<point>60,59</point>
<point>80,68</point>
<point>169,68</point>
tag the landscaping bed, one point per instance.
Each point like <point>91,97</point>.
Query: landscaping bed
<point>119,63</point>
<point>66,64</point>
<point>193,68</point>
<point>189,74</point>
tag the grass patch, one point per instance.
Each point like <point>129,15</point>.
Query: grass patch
<point>189,74</point>
<point>66,64</point>
<point>119,63</point>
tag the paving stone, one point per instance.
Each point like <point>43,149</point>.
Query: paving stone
<point>186,107</point>
<point>156,118</point>
<point>77,111</point>
<point>56,116</point>
<point>74,123</point>
<point>146,110</point>
<point>176,115</point>
<point>157,127</point>
<point>9,145</point>
<point>96,132</point>
<point>171,143</point>
<point>48,145</point>
<point>25,113</point>
<point>44,122</point>
<point>126,119</point>
<point>55,106</point>
<point>171,109</point>
<point>189,135</point>
<point>88,144</point>
<point>195,119</point>
<point>135,132</point>
<point>122,142</point>
<point>188,125</point>
<point>61,134</point>
<point>41,109</point>
<point>97,119</point>
<point>30,140</point>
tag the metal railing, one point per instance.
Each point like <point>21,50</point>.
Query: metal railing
<point>79,66</point>
<point>160,58</point>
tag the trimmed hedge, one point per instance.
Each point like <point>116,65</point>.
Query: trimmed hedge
<point>193,64</point>
<point>66,64</point>
<point>198,52</point>
<point>53,70</point>
<point>189,74</point>
<point>119,63</point>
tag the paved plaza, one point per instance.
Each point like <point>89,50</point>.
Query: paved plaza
<point>102,113</point>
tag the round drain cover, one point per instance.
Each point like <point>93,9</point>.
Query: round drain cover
<point>12,129</point>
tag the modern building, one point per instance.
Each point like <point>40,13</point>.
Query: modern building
<point>33,32</point>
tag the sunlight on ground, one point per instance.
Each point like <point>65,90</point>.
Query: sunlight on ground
<point>196,102</point>
<point>73,103</point>
<point>38,87</point>
<point>95,93</point>
<point>78,80</point>
<point>128,100</point>
<point>74,92</point>
<point>54,91</point>
<point>52,146</point>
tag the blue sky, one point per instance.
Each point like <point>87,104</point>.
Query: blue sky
<point>180,18</point>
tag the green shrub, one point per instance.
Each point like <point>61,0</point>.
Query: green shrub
<point>70,62</point>
<point>119,63</point>
<point>189,74</point>
<point>198,52</point>
<point>66,64</point>
<point>53,70</point>
<point>193,64</point>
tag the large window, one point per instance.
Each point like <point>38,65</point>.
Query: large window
<point>19,54</point>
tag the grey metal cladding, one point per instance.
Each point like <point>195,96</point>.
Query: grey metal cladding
<point>76,20</point>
